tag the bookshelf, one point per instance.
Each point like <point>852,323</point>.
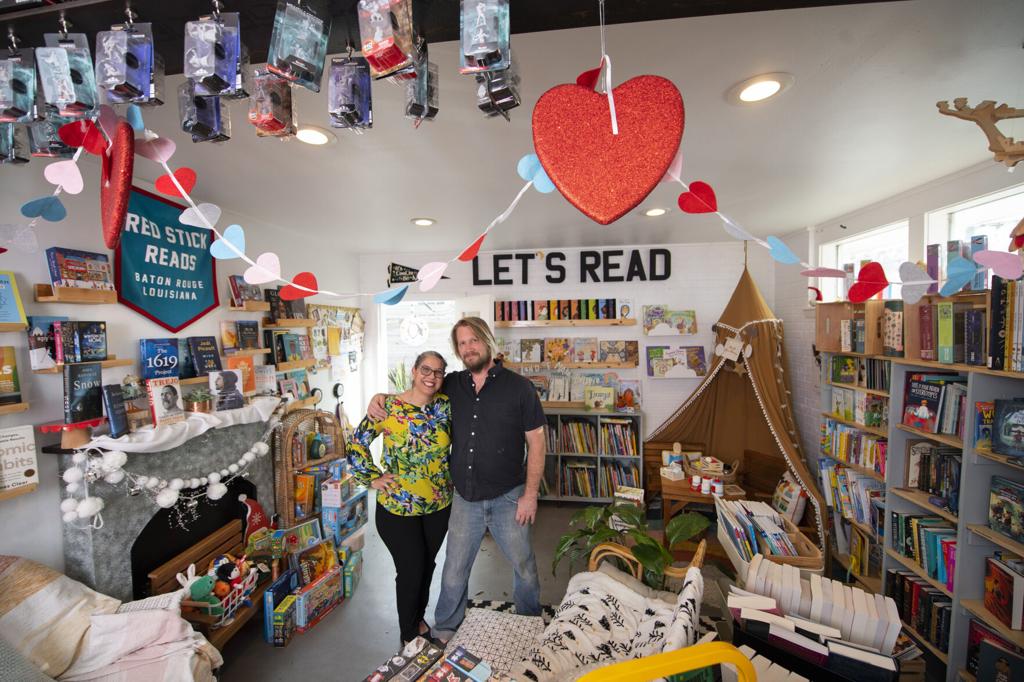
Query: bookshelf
<point>975,540</point>
<point>288,323</point>
<point>563,455</point>
<point>621,322</point>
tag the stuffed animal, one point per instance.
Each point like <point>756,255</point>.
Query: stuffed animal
<point>200,589</point>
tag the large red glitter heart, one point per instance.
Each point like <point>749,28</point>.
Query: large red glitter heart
<point>186,177</point>
<point>601,174</point>
<point>870,280</point>
<point>303,279</point>
<point>116,184</point>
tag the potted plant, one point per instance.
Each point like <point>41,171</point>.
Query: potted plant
<point>614,524</point>
<point>199,400</point>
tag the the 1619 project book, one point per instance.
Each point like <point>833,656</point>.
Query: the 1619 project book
<point>159,358</point>
<point>83,393</point>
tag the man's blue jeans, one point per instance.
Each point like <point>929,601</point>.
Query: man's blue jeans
<point>466,528</point>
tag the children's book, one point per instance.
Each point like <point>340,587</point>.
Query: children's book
<point>79,269</point>
<point>42,350</point>
<point>584,349</point>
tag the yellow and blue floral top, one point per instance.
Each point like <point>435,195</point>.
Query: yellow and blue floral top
<point>416,444</point>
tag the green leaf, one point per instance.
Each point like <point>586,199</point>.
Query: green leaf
<point>589,517</point>
<point>630,515</point>
<point>650,558</point>
<point>685,526</point>
<point>565,543</point>
<point>602,535</point>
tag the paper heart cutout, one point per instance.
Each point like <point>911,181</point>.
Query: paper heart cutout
<point>870,280</point>
<point>2,250</point>
<point>700,198</point>
<point>266,269</point>
<point>675,169</point>
<point>83,133</point>
<point>390,296</point>
<point>186,178</point>
<point>736,231</point>
<point>159,149</point>
<point>589,78</point>
<point>134,118</point>
<point>959,272</point>
<point>470,252</point>
<point>529,169</point>
<point>1006,265</point>
<point>916,282</point>
<point>781,253</point>
<point>191,217</point>
<point>603,175</point>
<point>233,235</point>
<point>66,175</point>
<point>107,121</point>
<point>48,208</point>
<point>430,274</point>
<point>116,183</point>
<point>303,279</point>
<point>21,237</point>
<point>823,272</point>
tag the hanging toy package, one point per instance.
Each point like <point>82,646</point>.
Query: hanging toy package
<point>421,94</point>
<point>385,29</point>
<point>215,57</point>
<point>298,45</point>
<point>11,148</point>
<point>270,105</point>
<point>202,117</point>
<point>349,100</point>
<point>498,91</point>
<point>66,75</point>
<point>45,142</point>
<point>485,36</point>
<point>17,86</point>
<point>127,69</point>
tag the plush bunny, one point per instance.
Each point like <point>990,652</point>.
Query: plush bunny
<point>200,589</point>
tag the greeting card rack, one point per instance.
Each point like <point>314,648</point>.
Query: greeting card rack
<point>290,456</point>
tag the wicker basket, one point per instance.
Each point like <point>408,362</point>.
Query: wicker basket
<point>730,478</point>
<point>287,461</point>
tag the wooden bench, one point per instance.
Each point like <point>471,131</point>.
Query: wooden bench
<point>229,539</point>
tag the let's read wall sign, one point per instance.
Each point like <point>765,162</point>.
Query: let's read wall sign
<point>605,265</point>
<point>164,269</point>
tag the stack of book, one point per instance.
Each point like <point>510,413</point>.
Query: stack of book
<point>618,437</point>
<point>1006,328</point>
<point>935,403</point>
<point>754,527</point>
<point>953,332</point>
<point>928,541</point>
<point>57,340</point>
<point>579,479</point>
<point>980,635</point>
<point>853,495</point>
<point>877,374</point>
<point>851,445</point>
<point>564,309</point>
<point>864,408</point>
<point>615,475</point>
<point>935,469</point>
<point>579,436</point>
<point>924,608</point>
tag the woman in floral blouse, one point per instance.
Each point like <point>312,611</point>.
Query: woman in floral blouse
<point>413,483</point>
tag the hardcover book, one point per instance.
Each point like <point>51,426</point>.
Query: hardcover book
<point>90,341</point>
<point>564,310</point>
<point>1004,591</point>
<point>11,310</point>
<point>628,398</point>
<point>944,324</point>
<point>205,357</point>
<point>247,367</point>
<point>287,387</point>
<point>978,632</point>
<point>292,352</point>
<point>186,368</point>
<point>42,348</point>
<point>64,340</point>
<point>574,310</point>
<point>301,380</point>
<point>600,398</point>
<point>278,310</point>
<point>557,350</point>
<point>933,267</point>
<point>159,358</point>
<point>296,309</point>
<point>1008,427</point>
<point>531,350</point>
<point>611,351</point>
<point>117,415</point>
<point>1006,508</point>
<point>999,664</point>
<point>997,330</point>
<point>10,387</point>
<point>226,387</point>
<point>584,349</point>
<point>79,269</point>
<point>979,242</point>
<point>266,380</point>
<point>248,334</point>
<point>165,400</point>
<point>228,336</point>
<point>305,347</point>
<point>927,318</point>
<point>540,384</point>
<point>892,329</point>
<point>83,392</point>
<point>984,414</point>
<point>975,348</point>
<point>242,291</point>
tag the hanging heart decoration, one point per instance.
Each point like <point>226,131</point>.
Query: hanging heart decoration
<point>186,177</point>
<point>529,169</point>
<point>159,149</point>
<point>588,79</point>
<point>959,272</point>
<point>211,212</point>
<point>83,133</point>
<point>116,184</point>
<point>303,279</point>
<point>233,235</point>
<point>781,253</point>
<point>470,252</point>
<point>916,282</point>
<point>605,175</point>
<point>390,296</point>
<point>430,274</point>
<point>700,198</point>
<point>267,269</point>
<point>1006,265</point>
<point>870,280</point>
<point>48,208</point>
<point>65,174</point>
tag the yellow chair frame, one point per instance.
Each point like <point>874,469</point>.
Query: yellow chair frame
<point>675,662</point>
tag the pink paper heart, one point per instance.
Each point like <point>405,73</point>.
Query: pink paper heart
<point>159,149</point>
<point>823,272</point>
<point>1006,265</point>
<point>267,269</point>
<point>108,121</point>
<point>66,175</point>
<point>430,274</point>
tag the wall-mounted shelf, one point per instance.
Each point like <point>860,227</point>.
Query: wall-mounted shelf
<point>251,307</point>
<point>873,584</point>
<point>920,639</point>
<point>111,361</point>
<point>301,404</point>
<point>45,293</point>
<point>295,364</point>
<point>921,500</point>
<point>247,352</point>
<point>958,367</point>
<point>877,430</point>
<point>288,323</point>
<point>13,408</point>
<point>12,327</point>
<point>859,469</point>
<point>910,565</point>
<point>571,365</point>
<point>17,492</point>
<point>623,322</point>
<point>194,380</point>
<point>562,404</point>
<point>1009,461</point>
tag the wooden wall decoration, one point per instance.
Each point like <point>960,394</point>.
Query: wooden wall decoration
<point>987,114</point>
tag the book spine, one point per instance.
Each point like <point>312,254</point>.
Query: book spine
<point>58,342</point>
<point>997,321</point>
<point>979,243</point>
<point>67,394</point>
<point>927,331</point>
<point>933,267</point>
<point>945,323</point>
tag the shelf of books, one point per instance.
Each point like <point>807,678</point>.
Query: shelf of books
<point>589,455</point>
<point>288,323</point>
<point>954,371</point>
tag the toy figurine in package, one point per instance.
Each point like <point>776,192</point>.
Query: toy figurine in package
<point>349,100</point>
<point>203,117</point>
<point>385,28</point>
<point>485,31</point>
<point>270,105</point>
<point>11,149</point>
<point>421,94</point>
<point>44,140</point>
<point>127,69</point>
<point>298,45</point>
<point>66,74</point>
<point>18,87</point>
<point>215,58</point>
<point>498,91</point>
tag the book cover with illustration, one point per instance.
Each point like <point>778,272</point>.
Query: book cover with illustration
<point>11,310</point>
<point>83,392</point>
<point>531,350</point>
<point>248,334</point>
<point>584,349</point>
<point>247,367</point>
<point>42,348</point>
<point>165,400</point>
<point>228,336</point>
<point>79,269</point>
<point>557,349</point>
<point>205,357</point>
<point>266,379</point>
<point>90,341</point>
<point>226,388</point>
<point>984,414</point>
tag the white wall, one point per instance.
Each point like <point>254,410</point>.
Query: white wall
<point>703,278</point>
<point>31,523</point>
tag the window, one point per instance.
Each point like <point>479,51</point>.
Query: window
<point>411,327</point>
<point>993,216</point>
<point>887,245</point>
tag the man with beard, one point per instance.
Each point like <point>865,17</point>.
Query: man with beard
<point>495,415</point>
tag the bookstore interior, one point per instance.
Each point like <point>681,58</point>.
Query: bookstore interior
<point>240,241</point>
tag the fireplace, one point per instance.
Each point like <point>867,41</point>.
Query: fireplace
<point>105,559</point>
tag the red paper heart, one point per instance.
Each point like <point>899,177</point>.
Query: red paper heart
<point>470,252</point>
<point>700,199</point>
<point>303,279</point>
<point>116,183</point>
<point>605,175</point>
<point>83,134</point>
<point>870,280</point>
<point>588,78</point>
<point>2,250</point>
<point>186,178</point>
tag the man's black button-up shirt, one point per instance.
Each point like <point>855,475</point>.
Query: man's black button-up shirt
<point>489,431</point>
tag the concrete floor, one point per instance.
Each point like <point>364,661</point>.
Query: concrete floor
<point>361,633</point>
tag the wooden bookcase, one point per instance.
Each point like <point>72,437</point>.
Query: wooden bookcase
<point>600,456</point>
<point>975,540</point>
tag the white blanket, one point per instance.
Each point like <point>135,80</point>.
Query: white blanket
<point>602,620</point>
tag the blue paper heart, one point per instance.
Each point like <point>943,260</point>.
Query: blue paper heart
<point>134,118</point>
<point>48,208</point>
<point>390,296</point>
<point>781,252</point>
<point>959,273</point>
<point>234,235</point>
<point>529,169</point>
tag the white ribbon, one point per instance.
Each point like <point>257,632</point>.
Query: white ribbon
<point>607,74</point>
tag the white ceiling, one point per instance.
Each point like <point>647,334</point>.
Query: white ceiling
<point>858,125</point>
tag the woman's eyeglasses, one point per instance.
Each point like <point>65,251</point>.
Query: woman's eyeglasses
<point>425,372</point>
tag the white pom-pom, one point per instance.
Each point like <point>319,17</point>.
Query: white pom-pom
<point>152,482</point>
<point>89,507</point>
<point>241,463</point>
<point>176,484</point>
<point>162,484</point>
<point>243,497</point>
<point>213,477</point>
<point>261,448</point>
<point>203,480</point>
<point>193,483</point>
<point>167,498</point>
<point>233,468</point>
<point>72,475</point>
<point>72,488</point>
<point>68,504</point>
<point>115,459</point>
<point>224,473</point>
<point>249,456</point>
<point>79,457</point>
<point>216,491</point>
<point>114,477</point>
<point>70,517</point>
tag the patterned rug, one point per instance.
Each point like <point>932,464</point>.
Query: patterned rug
<point>547,612</point>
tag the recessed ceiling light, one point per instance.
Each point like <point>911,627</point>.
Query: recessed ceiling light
<point>423,222</point>
<point>759,88</point>
<point>655,212</point>
<point>315,136</point>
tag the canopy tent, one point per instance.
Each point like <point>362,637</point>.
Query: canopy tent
<point>744,407</point>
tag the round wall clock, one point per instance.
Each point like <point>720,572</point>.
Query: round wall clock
<point>413,331</point>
